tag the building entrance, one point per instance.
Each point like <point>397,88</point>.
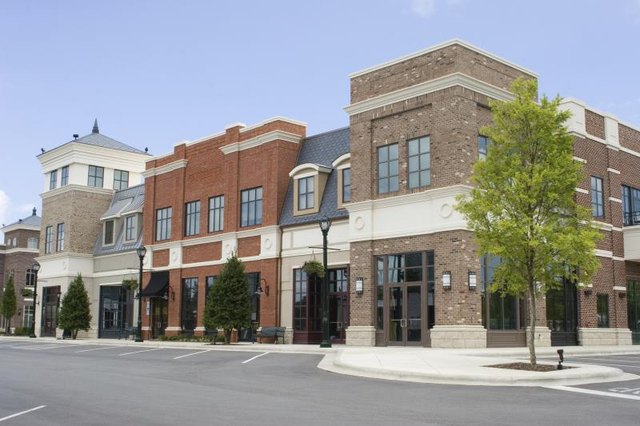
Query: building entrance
<point>50,310</point>
<point>115,311</point>
<point>633,313</point>
<point>562,315</point>
<point>405,307</point>
<point>159,316</point>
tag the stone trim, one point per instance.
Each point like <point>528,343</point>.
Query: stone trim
<point>458,336</point>
<point>361,335</point>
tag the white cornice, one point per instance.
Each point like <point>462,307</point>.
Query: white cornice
<point>21,250</point>
<point>271,120</point>
<point>74,187</point>
<point>344,158</point>
<point>316,168</point>
<point>215,238</point>
<point>80,153</point>
<point>441,46</point>
<point>261,140</point>
<point>408,199</point>
<point>175,165</point>
<point>18,226</point>
<point>441,83</point>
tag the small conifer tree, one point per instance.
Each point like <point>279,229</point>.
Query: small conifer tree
<point>75,312</point>
<point>8,304</point>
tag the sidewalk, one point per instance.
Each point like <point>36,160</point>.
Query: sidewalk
<point>425,365</point>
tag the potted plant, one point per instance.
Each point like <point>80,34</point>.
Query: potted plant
<point>313,267</point>
<point>131,284</point>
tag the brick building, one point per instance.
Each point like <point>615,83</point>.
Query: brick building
<point>209,198</point>
<point>17,256</point>
<point>402,265</point>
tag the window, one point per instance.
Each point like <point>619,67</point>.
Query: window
<point>603,310</point>
<point>251,207</point>
<point>32,243</point>
<point>53,179</point>
<point>216,213</point>
<point>120,179</point>
<point>96,175</point>
<point>505,312</point>
<point>189,305</point>
<point>64,176</point>
<point>631,205</point>
<point>307,312</point>
<point>130,227</point>
<point>483,147</point>
<point>27,319</point>
<point>48,239</point>
<point>109,228</point>
<point>597,197</point>
<point>419,162</point>
<point>163,224</point>
<point>346,185</point>
<point>60,237</point>
<point>192,218</point>
<point>305,193</point>
<point>388,168</point>
<point>210,282</point>
<point>30,277</point>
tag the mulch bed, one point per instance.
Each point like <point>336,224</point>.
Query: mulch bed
<point>526,366</point>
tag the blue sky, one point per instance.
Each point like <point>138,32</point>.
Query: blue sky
<point>158,72</point>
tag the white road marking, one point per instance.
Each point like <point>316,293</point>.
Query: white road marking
<point>37,347</point>
<point>97,349</point>
<point>194,353</point>
<point>604,360</point>
<point>594,392</point>
<point>21,413</point>
<point>251,359</point>
<point>139,352</point>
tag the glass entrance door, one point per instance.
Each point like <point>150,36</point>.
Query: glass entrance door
<point>50,308</point>
<point>633,313</point>
<point>159,317</point>
<point>562,315</point>
<point>406,314</point>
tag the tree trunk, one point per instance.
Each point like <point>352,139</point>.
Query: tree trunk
<point>227,336</point>
<point>74,334</point>
<point>531,294</point>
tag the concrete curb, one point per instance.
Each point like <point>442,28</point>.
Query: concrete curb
<point>479,375</point>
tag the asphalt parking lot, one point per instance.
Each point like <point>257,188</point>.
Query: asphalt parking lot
<point>629,389</point>
<point>59,383</point>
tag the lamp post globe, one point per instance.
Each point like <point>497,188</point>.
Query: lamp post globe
<point>325,225</point>
<point>34,269</point>
<point>141,252</point>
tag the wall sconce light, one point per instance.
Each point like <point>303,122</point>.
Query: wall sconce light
<point>473,280</point>
<point>170,293</point>
<point>359,285</point>
<point>263,287</point>
<point>446,280</point>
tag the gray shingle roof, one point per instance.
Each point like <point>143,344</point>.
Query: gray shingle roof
<point>322,149</point>
<point>32,220</point>
<point>124,202</point>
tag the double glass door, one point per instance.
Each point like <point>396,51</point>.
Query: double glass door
<point>406,316</point>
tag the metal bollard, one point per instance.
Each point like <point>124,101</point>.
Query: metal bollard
<point>561,355</point>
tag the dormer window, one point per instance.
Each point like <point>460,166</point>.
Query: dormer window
<point>343,165</point>
<point>305,193</point>
<point>309,181</point>
<point>109,232</point>
<point>130,223</point>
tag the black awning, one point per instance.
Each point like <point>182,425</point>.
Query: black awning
<point>157,285</point>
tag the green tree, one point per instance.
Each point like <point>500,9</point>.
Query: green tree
<point>75,311</point>
<point>8,304</point>
<point>523,207</point>
<point>228,305</point>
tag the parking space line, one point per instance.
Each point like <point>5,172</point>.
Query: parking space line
<point>21,413</point>
<point>251,359</point>
<point>194,353</point>
<point>97,349</point>
<point>139,352</point>
<point>594,392</point>
<point>37,347</point>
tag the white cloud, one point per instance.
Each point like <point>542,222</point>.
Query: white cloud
<point>423,8</point>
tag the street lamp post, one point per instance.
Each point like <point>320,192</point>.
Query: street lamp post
<point>141,252</point>
<point>325,224</point>
<point>34,269</point>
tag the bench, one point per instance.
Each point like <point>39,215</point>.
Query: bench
<point>126,333</point>
<point>275,332</point>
